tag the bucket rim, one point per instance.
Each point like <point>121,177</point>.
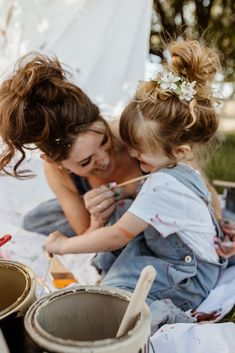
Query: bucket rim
<point>28,290</point>
<point>42,337</point>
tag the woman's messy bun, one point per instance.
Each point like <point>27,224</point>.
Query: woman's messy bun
<point>40,106</point>
<point>36,70</point>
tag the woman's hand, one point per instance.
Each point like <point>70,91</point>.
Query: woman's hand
<point>100,203</point>
<point>226,248</point>
<point>55,243</point>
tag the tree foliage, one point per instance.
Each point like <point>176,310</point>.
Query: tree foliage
<point>212,19</point>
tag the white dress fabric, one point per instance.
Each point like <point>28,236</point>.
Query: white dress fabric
<point>171,207</point>
<point>105,42</point>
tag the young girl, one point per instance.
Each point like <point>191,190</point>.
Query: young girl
<point>170,224</point>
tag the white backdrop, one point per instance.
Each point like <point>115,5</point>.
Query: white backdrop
<point>105,42</point>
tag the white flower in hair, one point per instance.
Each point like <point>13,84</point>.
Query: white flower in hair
<point>168,81</point>
<point>186,90</point>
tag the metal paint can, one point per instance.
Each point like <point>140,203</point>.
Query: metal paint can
<point>84,319</point>
<point>17,293</point>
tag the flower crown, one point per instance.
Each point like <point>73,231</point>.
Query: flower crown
<point>170,81</point>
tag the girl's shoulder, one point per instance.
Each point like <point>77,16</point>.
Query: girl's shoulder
<point>162,179</point>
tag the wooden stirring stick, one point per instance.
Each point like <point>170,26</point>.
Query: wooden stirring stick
<point>136,303</point>
<point>133,180</point>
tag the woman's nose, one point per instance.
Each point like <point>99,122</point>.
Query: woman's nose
<point>102,158</point>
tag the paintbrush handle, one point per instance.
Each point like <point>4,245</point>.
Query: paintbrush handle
<point>133,180</point>
<point>43,283</point>
<point>5,239</point>
<point>138,297</point>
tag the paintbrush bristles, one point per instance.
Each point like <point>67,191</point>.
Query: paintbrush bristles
<point>61,277</point>
<point>142,177</point>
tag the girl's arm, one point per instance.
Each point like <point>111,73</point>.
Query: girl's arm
<point>226,248</point>
<point>101,240</point>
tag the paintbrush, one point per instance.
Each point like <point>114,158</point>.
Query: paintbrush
<point>60,275</point>
<point>5,239</point>
<point>113,185</point>
<point>142,177</point>
<point>43,282</point>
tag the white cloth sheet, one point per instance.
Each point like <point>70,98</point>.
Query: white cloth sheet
<point>18,196</point>
<point>104,42</point>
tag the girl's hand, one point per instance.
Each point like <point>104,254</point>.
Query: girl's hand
<point>201,316</point>
<point>226,248</point>
<point>55,243</point>
<point>100,203</point>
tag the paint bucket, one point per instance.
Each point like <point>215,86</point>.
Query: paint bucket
<point>84,319</point>
<point>17,293</point>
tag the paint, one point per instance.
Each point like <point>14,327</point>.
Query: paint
<point>84,319</point>
<point>17,293</point>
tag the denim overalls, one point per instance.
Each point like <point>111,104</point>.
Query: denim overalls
<point>181,275</point>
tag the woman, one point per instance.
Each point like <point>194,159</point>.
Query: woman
<point>82,153</point>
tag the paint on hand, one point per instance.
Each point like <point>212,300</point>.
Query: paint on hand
<point>126,233</point>
<point>121,203</point>
<point>112,185</point>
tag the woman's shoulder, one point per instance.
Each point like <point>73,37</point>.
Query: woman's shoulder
<point>57,175</point>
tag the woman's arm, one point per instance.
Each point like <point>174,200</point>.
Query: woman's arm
<point>70,201</point>
<point>101,240</point>
<point>84,214</point>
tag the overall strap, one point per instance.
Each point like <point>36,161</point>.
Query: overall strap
<point>190,178</point>
<point>81,183</point>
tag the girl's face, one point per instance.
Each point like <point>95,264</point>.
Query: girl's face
<point>151,161</point>
<point>91,153</point>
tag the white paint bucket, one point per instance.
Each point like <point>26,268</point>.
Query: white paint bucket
<point>84,319</point>
<point>17,293</point>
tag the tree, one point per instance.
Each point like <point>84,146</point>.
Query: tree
<point>214,19</point>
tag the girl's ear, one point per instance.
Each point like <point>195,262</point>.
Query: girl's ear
<point>183,152</point>
<point>45,158</point>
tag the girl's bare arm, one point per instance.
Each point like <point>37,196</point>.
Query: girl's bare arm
<point>101,240</point>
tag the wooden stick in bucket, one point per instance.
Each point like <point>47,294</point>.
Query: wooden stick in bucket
<point>136,303</point>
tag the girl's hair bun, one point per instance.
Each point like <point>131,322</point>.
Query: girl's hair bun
<point>193,60</point>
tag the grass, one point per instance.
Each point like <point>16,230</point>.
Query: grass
<point>222,164</point>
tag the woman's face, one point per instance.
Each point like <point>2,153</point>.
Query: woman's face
<point>91,153</point>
